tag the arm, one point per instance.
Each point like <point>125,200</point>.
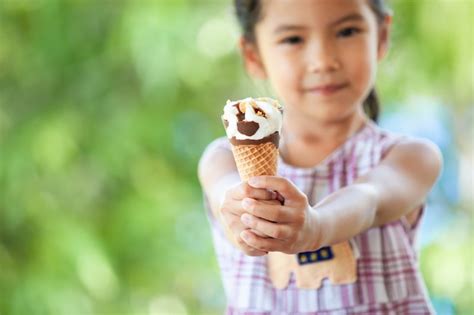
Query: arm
<point>221,183</point>
<point>217,172</point>
<point>394,188</point>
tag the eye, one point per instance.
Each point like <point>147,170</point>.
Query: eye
<point>292,40</point>
<point>348,32</point>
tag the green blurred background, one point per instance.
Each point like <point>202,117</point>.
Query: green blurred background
<point>105,109</point>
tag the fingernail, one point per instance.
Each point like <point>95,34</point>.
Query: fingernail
<point>274,195</point>
<point>244,235</point>
<point>253,181</point>
<point>246,219</point>
<point>246,203</point>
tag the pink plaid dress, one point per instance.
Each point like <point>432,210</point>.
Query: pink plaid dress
<point>388,279</point>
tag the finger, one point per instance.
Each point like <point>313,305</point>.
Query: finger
<point>290,193</point>
<point>268,211</point>
<point>267,228</point>
<point>245,190</point>
<point>280,198</point>
<point>258,233</point>
<point>236,227</point>
<point>260,243</point>
<point>233,210</point>
<point>276,183</point>
<point>274,202</point>
<point>249,250</point>
<point>233,207</point>
<point>233,223</point>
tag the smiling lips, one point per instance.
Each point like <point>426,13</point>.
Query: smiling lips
<point>327,89</point>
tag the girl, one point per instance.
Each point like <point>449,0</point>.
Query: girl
<point>343,179</point>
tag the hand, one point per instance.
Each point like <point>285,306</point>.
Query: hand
<point>231,210</point>
<point>291,227</point>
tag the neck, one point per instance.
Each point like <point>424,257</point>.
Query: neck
<point>306,143</point>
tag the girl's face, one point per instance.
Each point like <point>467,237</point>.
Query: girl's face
<point>319,55</point>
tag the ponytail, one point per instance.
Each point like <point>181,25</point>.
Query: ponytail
<point>372,106</point>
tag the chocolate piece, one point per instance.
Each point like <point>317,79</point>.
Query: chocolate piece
<point>225,122</point>
<point>248,128</point>
<point>259,112</point>
<point>240,115</point>
<point>274,138</point>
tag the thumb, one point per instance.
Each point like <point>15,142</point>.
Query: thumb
<point>286,190</point>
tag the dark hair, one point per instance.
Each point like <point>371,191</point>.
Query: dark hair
<point>249,12</point>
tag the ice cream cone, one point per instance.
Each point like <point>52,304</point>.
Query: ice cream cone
<point>253,127</point>
<point>255,160</point>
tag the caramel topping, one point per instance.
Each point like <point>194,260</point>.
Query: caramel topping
<point>240,114</point>
<point>243,107</point>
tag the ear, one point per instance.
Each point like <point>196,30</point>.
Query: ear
<point>384,37</point>
<point>252,61</point>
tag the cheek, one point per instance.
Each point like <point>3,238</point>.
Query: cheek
<point>283,72</point>
<point>361,65</point>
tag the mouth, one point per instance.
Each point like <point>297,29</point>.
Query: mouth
<point>326,89</point>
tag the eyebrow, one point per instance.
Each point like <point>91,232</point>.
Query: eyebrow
<point>349,17</point>
<point>291,27</point>
<point>286,28</point>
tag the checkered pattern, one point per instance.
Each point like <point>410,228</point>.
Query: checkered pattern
<point>388,279</point>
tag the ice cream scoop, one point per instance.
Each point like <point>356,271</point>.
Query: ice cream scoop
<point>253,127</point>
<point>253,121</point>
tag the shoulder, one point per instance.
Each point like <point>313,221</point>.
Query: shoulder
<point>216,161</point>
<point>417,149</point>
<point>395,144</point>
<point>416,154</point>
<point>217,149</point>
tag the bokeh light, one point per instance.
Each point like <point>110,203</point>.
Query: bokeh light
<point>105,109</point>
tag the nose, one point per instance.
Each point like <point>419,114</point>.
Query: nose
<point>322,57</point>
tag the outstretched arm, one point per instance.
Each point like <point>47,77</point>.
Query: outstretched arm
<point>222,185</point>
<point>396,187</point>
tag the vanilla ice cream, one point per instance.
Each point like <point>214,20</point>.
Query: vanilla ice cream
<point>252,120</point>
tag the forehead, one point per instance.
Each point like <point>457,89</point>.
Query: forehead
<point>312,12</point>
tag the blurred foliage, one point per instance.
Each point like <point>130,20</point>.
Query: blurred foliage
<point>105,108</point>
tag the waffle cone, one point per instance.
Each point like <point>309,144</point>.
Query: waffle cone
<point>256,159</point>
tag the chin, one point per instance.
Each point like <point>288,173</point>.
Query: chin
<point>332,115</point>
